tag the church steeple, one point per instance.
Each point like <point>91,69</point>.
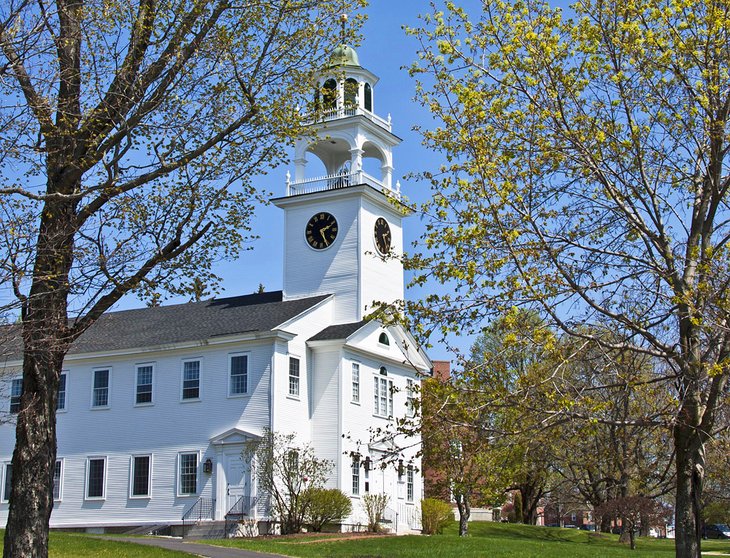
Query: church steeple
<point>342,228</point>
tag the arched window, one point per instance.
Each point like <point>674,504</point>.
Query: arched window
<point>368,97</point>
<point>329,94</point>
<point>351,86</point>
<point>384,339</point>
<point>383,371</point>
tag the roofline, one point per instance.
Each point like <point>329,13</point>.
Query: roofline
<point>327,299</point>
<point>382,199</point>
<point>272,334</point>
<point>384,358</point>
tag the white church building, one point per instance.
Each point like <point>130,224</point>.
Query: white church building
<point>156,403</point>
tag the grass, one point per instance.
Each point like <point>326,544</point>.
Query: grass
<point>496,540</point>
<point>78,545</point>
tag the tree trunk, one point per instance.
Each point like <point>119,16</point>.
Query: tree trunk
<point>605,524</point>
<point>45,343</point>
<point>690,473</point>
<point>462,503</point>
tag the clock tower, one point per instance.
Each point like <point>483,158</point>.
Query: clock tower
<point>343,233</point>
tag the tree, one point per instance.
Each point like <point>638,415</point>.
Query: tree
<point>374,505</point>
<point>586,177</point>
<point>633,510</point>
<point>287,473</point>
<point>455,446</point>
<point>130,133</point>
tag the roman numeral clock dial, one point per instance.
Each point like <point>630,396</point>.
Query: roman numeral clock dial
<point>321,230</point>
<point>382,236</point>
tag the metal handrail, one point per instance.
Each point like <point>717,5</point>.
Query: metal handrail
<point>204,508</point>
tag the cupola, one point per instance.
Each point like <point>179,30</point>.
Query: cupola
<point>347,130</point>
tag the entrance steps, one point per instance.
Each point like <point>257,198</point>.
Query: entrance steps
<point>206,530</point>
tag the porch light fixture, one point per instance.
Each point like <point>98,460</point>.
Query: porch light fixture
<point>208,466</point>
<point>368,463</point>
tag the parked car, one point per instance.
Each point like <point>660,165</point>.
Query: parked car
<point>716,531</point>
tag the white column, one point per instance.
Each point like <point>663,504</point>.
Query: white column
<point>356,163</point>
<point>386,176</point>
<point>300,166</point>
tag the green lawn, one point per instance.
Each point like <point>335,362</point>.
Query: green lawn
<point>496,540</point>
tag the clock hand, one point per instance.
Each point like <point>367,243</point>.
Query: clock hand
<point>321,233</point>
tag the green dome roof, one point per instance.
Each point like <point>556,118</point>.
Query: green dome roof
<point>344,55</point>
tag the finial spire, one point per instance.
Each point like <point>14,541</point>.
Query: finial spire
<point>343,21</point>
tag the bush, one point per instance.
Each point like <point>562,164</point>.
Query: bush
<point>435,515</point>
<point>326,506</point>
<point>374,505</point>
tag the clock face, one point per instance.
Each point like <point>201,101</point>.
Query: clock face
<point>321,230</point>
<point>382,236</point>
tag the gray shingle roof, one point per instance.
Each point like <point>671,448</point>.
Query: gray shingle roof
<point>335,332</point>
<point>180,323</point>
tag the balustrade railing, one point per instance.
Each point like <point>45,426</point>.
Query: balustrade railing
<point>335,181</point>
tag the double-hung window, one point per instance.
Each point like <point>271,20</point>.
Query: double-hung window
<point>409,484</point>
<point>8,482</point>
<point>57,479</point>
<point>355,382</point>
<point>188,474</point>
<point>383,397</point>
<point>100,393</point>
<point>141,476</point>
<point>294,376</point>
<point>191,379</point>
<point>16,392</point>
<point>143,389</point>
<point>238,383</point>
<point>61,399</point>
<point>95,478</point>
<point>410,398</point>
<point>355,476</point>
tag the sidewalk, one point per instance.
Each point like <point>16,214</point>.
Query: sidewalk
<point>205,550</point>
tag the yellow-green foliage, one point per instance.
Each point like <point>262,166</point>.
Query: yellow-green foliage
<point>435,515</point>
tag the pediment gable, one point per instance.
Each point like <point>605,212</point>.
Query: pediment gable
<point>392,343</point>
<point>232,436</point>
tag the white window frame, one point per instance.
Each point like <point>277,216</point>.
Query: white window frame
<point>179,491</point>
<point>410,483</point>
<point>355,476</point>
<point>410,397</point>
<point>355,383</point>
<point>13,383</point>
<point>89,459</point>
<point>64,374</point>
<point>247,375</point>
<point>58,498</point>
<point>5,497</point>
<point>298,381</point>
<point>151,384</point>
<point>380,381</point>
<point>132,495</point>
<point>108,387</point>
<point>199,360</point>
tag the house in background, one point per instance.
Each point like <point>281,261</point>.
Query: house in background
<point>156,404</point>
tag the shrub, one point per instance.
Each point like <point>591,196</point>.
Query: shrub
<point>326,506</point>
<point>374,505</point>
<point>435,515</point>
